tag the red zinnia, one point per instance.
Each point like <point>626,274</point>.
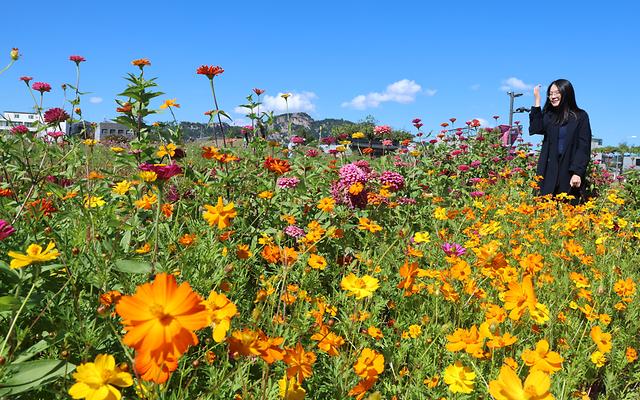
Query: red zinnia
<point>77,59</point>
<point>41,87</point>
<point>209,70</point>
<point>26,79</point>
<point>258,91</point>
<point>55,115</point>
<point>20,129</point>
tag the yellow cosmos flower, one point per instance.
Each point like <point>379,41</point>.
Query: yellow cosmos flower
<point>459,378</point>
<point>508,386</point>
<point>221,310</point>
<point>290,389</point>
<point>359,287</point>
<point>90,142</point>
<point>440,213</point>
<point>146,202</point>
<point>542,359</point>
<point>219,214</point>
<point>93,201</point>
<point>169,103</point>
<point>98,380</point>
<point>366,224</point>
<point>169,149</point>
<point>117,149</point>
<point>34,254</point>
<point>422,237</point>
<point>357,135</point>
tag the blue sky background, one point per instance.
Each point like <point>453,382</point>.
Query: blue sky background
<point>348,59</point>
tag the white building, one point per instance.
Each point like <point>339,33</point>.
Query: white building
<point>9,119</point>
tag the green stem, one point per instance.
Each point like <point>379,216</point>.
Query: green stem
<point>215,101</point>
<point>8,66</point>
<point>36,274</point>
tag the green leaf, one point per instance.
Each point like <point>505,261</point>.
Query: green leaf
<point>32,351</point>
<point>25,376</point>
<point>8,303</point>
<point>8,275</point>
<point>133,267</point>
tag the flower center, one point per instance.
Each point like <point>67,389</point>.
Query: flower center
<point>158,311</point>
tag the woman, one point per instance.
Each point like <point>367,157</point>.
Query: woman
<point>566,147</point>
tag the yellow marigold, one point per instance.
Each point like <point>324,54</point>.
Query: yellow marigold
<point>459,378</point>
<point>359,287</point>
<point>317,262</point>
<point>121,188</point>
<point>34,254</point>
<point>326,204</point>
<point>220,215</point>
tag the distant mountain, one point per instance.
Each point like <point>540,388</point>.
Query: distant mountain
<point>301,124</point>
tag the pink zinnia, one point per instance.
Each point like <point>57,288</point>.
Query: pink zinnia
<point>297,139</point>
<point>288,183</point>
<point>387,142</point>
<point>463,167</point>
<point>26,79</point>
<point>382,130</point>
<point>294,231</point>
<point>393,180</point>
<point>6,229</point>
<point>55,134</point>
<point>312,153</point>
<point>41,87</point>
<point>55,115</point>
<point>77,59</point>
<point>19,130</point>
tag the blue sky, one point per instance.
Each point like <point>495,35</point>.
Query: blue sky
<point>394,60</point>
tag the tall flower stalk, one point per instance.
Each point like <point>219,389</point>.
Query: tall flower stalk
<point>14,54</point>
<point>210,72</point>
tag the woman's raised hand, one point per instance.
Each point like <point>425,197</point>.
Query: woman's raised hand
<point>536,95</point>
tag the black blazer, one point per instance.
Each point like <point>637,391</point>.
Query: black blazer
<point>557,169</point>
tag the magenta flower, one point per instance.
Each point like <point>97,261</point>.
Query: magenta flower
<point>294,231</point>
<point>297,139</point>
<point>26,79</point>
<point>55,134</point>
<point>55,115</point>
<point>312,153</point>
<point>453,249</point>
<point>19,130</point>
<point>77,59</point>
<point>382,130</point>
<point>387,142</point>
<point>6,229</point>
<point>41,87</point>
<point>393,180</point>
<point>163,171</point>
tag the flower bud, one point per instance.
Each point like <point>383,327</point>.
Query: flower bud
<point>14,54</point>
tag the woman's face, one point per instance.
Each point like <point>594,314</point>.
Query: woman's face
<point>554,95</point>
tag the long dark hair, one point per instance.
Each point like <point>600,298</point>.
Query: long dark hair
<point>567,108</point>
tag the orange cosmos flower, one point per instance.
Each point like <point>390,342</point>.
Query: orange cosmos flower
<point>219,215</point>
<point>601,339</point>
<point>631,354</point>
<point>328,341</point>
<point>470,341</point>
<point>300,362</point>
<point>542,359</point>
<point>520,297</point>
<point>159,320</point>
<point>508,386</point>
<point>141,62</point>
<point>370,364</point>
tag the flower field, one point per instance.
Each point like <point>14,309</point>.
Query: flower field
<point>157,269</point>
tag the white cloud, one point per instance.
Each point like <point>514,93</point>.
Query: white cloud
<point>240,122</point>
<point>483,122</point>
<point>95,100</point>
<point>302,101</point>
<point>475,87</point>
<point>514,83</point>
<point>403,91</point>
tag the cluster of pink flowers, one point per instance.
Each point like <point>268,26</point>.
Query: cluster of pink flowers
<point>294,231</point>
<point>55,116</point>
<point>452,249</point>
<point>382,130</point>
<point>41,87</point>
<point>350,175</point>
<point>297,139</point>
<point>288,183</point>
<point>392,180</point>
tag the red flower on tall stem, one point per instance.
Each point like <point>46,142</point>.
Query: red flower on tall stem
<point>209,70</point>
<point>257,91</point>
<point>41,87</point>
<point>26,79</point>
<point>77,59</point>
